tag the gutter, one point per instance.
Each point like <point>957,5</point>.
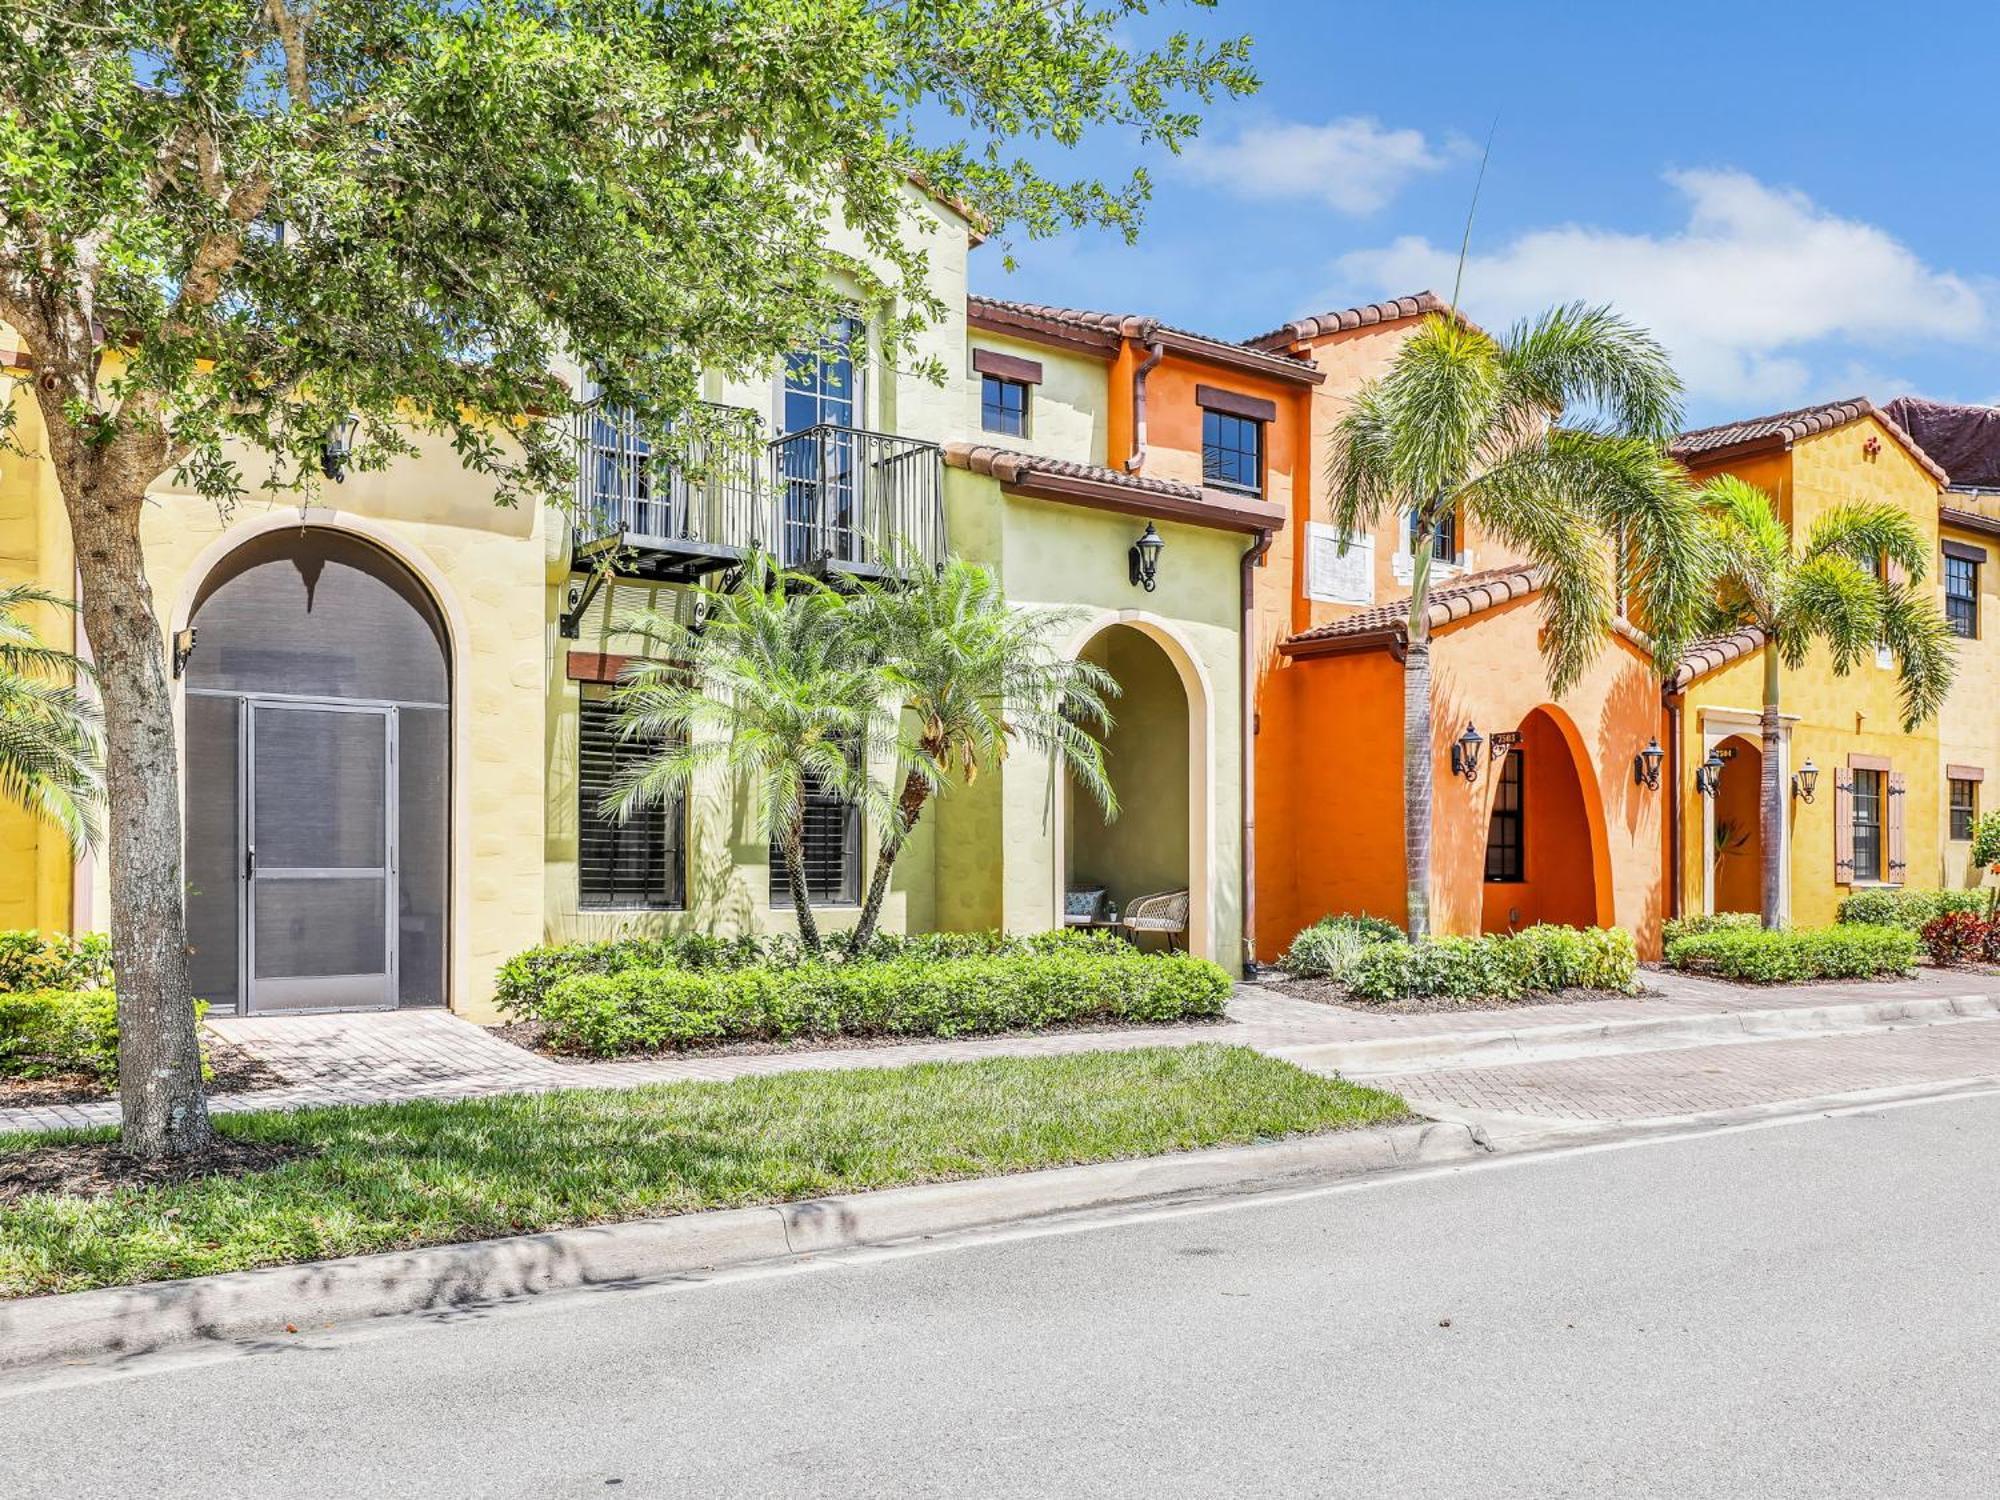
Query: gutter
<point>1253,558</point>
<point>1156,350</point>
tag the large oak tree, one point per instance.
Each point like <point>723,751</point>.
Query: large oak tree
<point>227,224</point>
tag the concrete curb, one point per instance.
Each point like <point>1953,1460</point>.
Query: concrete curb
<point>1471,1049</point>
<point>124,1322</point>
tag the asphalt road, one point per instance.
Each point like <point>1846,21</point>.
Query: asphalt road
<point>1801,1310</point>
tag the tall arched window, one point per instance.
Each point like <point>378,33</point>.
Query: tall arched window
<point>318,780</point>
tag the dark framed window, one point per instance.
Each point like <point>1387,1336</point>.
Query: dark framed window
<point>1003,405</point>
<point>1506,855</point>
<point>1964,807</point>
<point>641,862</point>
<point>832,853</point>
<point>821,384</point>
<point>1444,539</point>
<point>1868,824</point>
<point>1232,452</point>
<point>1961,595</point>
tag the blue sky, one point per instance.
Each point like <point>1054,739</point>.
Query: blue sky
<point>1799,199</point>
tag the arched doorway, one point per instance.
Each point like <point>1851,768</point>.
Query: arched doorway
<point>1547,855</point>
<point>1738,845</point>
<point>1151,847</point>
<point>318,779</point>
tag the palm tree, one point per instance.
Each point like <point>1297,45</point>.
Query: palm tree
<point>772,685</point>
<point>1838,588</point>
<point>49,760</point>
<point>1467,427</point>
<point>971,674</point>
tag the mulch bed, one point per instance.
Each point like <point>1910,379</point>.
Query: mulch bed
<point>100,1168</point>
<point>1331,993</point>
<point>236,1072</point>
<point>530,1036</point>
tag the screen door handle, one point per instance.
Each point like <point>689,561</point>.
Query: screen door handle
<point>249,860</point>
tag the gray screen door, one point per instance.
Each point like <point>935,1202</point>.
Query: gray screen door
<point>320,857</point>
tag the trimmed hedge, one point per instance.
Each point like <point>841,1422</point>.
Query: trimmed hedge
<point>650,1010</point>
<point>1856,950</point>
<point>54,961</point>
<point>1894,906</point>
<point>1697,923</point>
<point>1499,966</point>
<point>1324,949</point>
<point>48,1033</point>
<point>525,980</point>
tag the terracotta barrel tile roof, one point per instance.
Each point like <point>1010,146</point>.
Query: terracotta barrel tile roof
<point>1010,466</point>
<point>1782,429</point>
<point>1704,656</point>
<point>1465,596</point>
<point>1105,329</point>
<point>1068,482</point>
<point>1344,319</point>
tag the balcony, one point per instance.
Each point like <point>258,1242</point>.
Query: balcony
<point>669,516</point>
<point>856,504</point>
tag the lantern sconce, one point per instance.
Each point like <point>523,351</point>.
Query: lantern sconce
<point>1465,753</point>
<point>1805,781</point>
<point>1145,558</point>
<point>1708,775</point>
<point>1646,765</point>
<point>338,448</point>
<point>184,648</point>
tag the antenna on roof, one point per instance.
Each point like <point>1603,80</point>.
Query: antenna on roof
<point>1465,244</point>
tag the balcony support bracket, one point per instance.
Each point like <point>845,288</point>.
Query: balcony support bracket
<point>570,626</point>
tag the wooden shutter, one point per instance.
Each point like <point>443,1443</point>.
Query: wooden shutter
<point>1843,826</point>
<point>1897,800</point>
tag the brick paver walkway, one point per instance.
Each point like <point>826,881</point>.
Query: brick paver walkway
<point>431,1054</point>
<point>1699,1080</point>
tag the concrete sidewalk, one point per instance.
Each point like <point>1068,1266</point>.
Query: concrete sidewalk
<point>358,1059</point>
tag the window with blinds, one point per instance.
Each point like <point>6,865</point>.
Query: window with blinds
<point>641,862</point>
<point>832,854</point>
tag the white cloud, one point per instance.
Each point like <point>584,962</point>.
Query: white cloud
<point>1758,282</point>
<point>1354,165</point>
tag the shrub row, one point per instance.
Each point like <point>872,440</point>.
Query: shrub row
<point>647,1010</point>
<point>1856,950</point>
<point>1498,966</point>
<point>1908,909</point>
<point>525,979</point>
<point>54,961</point>
<point>47,1033</point>
<point>1697,923</point>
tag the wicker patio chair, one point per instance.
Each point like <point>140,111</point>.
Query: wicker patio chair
<point>1164,912</point>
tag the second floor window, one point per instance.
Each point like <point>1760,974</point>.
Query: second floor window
<point>1003,405</point>
<point>1961,595</point>
<point>1232,452</point>
<point>821,384</point>
<point>1444,538</point>
<point>641,862</point>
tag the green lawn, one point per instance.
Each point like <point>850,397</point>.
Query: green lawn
<point>396,1176</point>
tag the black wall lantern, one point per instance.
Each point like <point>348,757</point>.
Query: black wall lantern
<point>339,447</point>
<point>1805,781</point>
<point>1708,775</point>
<point>1146,558</point>
<point>1465,753</point>
<point>1646,765</point>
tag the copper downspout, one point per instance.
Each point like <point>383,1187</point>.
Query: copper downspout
<point>1247,711</point>
<point>1156,350</point>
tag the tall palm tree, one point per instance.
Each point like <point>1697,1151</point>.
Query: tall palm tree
<point>49,756</point>
<point>1837,587</point>
<point>774,686</point>
<point>970,674</point>
<point>1553,439</point>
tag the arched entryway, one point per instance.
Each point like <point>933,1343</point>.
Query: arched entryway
<point>1156,759</point>
<point>318,773</point>
<point>1737,845</point>
<point>1547,856</point>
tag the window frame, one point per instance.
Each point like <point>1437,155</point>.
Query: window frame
<point>1211,419</point>
<point>1959,815</point>
<point>1966,603</point>
<point>1877,829</point>
<point>989,384</point>
<point>661,822</point>
<point>1513,850</point>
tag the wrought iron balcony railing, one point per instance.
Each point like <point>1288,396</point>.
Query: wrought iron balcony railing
<point>853,501</point>
<point>698,496</point>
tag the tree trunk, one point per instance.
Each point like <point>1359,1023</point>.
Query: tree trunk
<point>791,844</point>
<point>1418,753</point>
<point>1771,797</point>
<point>910,807</point>
<point>159,1048</point>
